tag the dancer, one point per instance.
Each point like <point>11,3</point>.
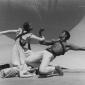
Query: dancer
<point>19,71</point>
<point>23,38</point>
<point>58,47</point>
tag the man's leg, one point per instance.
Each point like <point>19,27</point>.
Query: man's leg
<point>44,66</point>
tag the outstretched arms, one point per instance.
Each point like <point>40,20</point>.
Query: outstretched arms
<point>37,38</point>
<point>76,48</point>
<point>8,31</point>
<point>18,31</point>
<point>46,42</point>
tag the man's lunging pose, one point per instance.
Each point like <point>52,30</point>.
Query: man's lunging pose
<point>57,47</point>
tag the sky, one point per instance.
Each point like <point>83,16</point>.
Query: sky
<point>53,15</point>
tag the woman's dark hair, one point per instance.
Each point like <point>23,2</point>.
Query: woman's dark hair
<point>27,27</point>
<point>67,34</point>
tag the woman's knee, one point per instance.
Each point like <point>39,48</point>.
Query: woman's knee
<point>28,61</point>
<point>15,64</point>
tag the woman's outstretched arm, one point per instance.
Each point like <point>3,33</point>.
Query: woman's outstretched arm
<point>8,31</point>
<point>37,38</point>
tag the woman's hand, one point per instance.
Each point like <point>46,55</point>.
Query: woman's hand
<point>43,38</point>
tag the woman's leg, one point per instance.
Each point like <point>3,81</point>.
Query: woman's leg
<point>21,54</point>
<point>34,59</point>
<point>15,56</point>
<point>18,55</point>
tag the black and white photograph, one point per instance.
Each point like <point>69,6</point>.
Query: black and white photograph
<point>42,42</point>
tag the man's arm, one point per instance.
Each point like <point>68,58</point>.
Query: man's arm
<point>46,42</point>
<point>76,48</point>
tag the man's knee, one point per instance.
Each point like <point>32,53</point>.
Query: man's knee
<point>42,70</point>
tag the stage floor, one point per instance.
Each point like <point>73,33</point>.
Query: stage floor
<point>67,79</point>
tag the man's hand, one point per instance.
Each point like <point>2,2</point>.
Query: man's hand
<point>41,31</point>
